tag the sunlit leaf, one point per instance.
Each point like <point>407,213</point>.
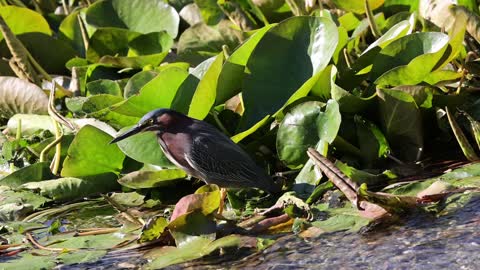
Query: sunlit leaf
<point>149,179</point>
<point>90,154</point>
<point>144,148</point>
<point>303,127</point>
<point>68,188</point>
<point>35,172</point>
<point>305,50</point>
<point>143,16</point>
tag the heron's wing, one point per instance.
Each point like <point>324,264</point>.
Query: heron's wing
<point>219,159</point>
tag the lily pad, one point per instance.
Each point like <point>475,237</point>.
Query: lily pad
<point>149,179</point>
<point>402,123</point>
<point>143,16</point>
<point>156,93</point>
<point>406,61</point>
<point>69,188</point>
<point>204,97</point>
<point>35,172</point>
<point>303,127</point>
<point>306,45</point>
<point>144,148</point>
<point>91,154</point>
<point>23,20</point>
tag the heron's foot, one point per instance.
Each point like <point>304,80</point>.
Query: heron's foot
<point>286,200</point>
<point>223,194</point>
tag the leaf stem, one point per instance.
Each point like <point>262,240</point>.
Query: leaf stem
<point>83,31</point>
<point>371,20</point>
<point>219,123</point>
<point>19,130</point>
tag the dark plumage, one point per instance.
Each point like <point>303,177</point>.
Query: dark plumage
<point>202,151</point>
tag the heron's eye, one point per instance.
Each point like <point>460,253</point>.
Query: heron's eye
<point>150,121</point>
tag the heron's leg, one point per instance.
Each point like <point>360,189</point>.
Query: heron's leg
<point>223,194</point>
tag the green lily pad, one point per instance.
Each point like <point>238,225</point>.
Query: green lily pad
<point>402,123</point>
<point>204,97</point>
<point>157,93</point>
<point>134,62</point>
<point>69,188</point>
<point>372,142</point>
<point>99,107</point>
<point>153,229</point>
<point>109,41</point>
<point>151,43</point>
<point>35,172</point>
<point>23,20</point>
<point>201,41</point>
<point>29,262</point>
<point>342,219</point>
<point>284,59</point>
<point>149,179</point>
<point>144,147</point>
<point>303,127</point>
<point>137,81</point>
<point>143,16</point>
<point>233,71</point>
<point>406,61</point>
<point>357,6</point>
<point>91,154</point>
<point>104,87</point>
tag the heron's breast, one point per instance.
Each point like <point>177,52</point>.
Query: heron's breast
<point>175,146</point>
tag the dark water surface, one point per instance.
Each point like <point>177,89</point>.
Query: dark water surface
<point>423,242</point>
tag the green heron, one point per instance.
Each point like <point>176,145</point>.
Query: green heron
<point>203,151</point>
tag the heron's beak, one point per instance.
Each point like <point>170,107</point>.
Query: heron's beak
<point>136,129</point>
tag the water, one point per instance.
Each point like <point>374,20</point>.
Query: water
<point>422,242</point>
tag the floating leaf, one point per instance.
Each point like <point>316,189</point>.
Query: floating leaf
<point>372,142</point>
<point>136,62</point>
<point>306,45</point>
<point>109,41</point>
<point>150,179</point>
<point>104,87</point>
<point>206,200</point>
<point>23,197</point>
<point>233,71</point>
<point>153,229</point>
<point>303,127</point>
<point>143,16</point>
<point>151,43</point>
<point>201,41</point>
<point>91,154</point>
<point>402,123</point>
<point>357,6</point>
<point>199,247</point>
<point>397,65</point>
<point>137,81</point>
<point>23,20</point>
<point>69,188</point>
<point>204,97</point>
<point>144,148</point>
<point>157,93</point>
<point>35,172</point>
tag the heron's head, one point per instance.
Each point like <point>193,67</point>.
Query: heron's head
<point>158,120</point>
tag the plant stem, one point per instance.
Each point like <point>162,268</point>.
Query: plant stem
<point>19,130</point>
<point>371,20</point>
